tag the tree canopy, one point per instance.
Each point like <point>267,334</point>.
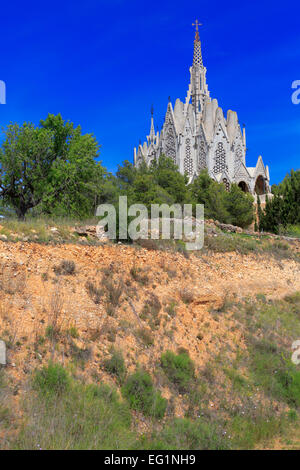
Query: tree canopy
<point>284,207</point>
<point>51,167</point>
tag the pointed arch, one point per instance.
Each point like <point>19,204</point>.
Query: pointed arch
<point>260,186</point>
<point>244,186</point>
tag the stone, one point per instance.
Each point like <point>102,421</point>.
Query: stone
<point>2,352</point>
<point>81,231</point>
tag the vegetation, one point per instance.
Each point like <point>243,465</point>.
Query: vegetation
<point>142,396</point>
<point>239,401</point>
<point>283,210</point>
<point>115,366</point>
<point>179,368</point>
<point>79,417</point>
<point>53,170</point>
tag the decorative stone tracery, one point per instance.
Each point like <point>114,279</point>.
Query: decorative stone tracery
<point>188,161</point>
<point>220,159</point>
<point>170,149</point>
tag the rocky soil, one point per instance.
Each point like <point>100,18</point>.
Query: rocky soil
<point>96,300</point>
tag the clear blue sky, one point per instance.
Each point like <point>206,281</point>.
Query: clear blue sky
<point>102,64</point>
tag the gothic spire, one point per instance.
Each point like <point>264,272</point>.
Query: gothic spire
<point>151,136</point>
<point>152,131</point>
<point>197,45</point>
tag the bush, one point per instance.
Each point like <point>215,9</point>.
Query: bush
<point>114,291</point>
<point>141,395</point>
<point>94,292</point>
<point>145,335</point>
<point>51,379</point>
<point>179,369</point>
<point>115,366</point>
<point>65,267</point>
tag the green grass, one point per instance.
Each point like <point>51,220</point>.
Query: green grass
<point>189,435</point>
<point>79,417</point>
<point>245,244</point>
<point>291,231</point>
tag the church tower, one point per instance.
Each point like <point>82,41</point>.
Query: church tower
<point>198,92</point>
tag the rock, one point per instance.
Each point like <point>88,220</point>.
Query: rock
<point>2,352</point>
<point>3,237</point>
<point>229,227</point>
<point>81,231</point>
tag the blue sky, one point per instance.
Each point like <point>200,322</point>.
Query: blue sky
<point>102,64</point>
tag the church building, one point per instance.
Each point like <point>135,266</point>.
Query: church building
<point>197,136</point>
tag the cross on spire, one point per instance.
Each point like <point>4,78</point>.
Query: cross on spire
<point>197,24</point>
<point>197,45</point>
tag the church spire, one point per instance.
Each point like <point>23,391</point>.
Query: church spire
<point>151,137</point>
<point>197,46</point>
<point>152,131</point>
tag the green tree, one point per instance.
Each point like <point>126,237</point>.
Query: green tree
<point>204,190</point>
<point>75,170</point>
<point>239,206</point>
<point>166,175</point>
<point>26,157</point>
<point>52,168</point>
<point>284,207</point>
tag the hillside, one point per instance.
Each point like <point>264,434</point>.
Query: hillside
<point>234,313</point>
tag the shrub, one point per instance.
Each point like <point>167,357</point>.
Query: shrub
<point>145,335</point>
<point>171,309</point>
<point>141,395</point>
<point>138,276</point>
<point>151,311</point>
<point>94,292</point>
<point>114,291</point>
<point>179,369</point>
<point>66,267</point>
<point>115,366</point>
<point>73,332</point>
<point>51,379</point>
<point>187,296</point>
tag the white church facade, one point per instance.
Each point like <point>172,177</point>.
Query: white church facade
<point>197,136</point>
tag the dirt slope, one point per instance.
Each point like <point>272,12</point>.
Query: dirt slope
<point>180,293</point>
